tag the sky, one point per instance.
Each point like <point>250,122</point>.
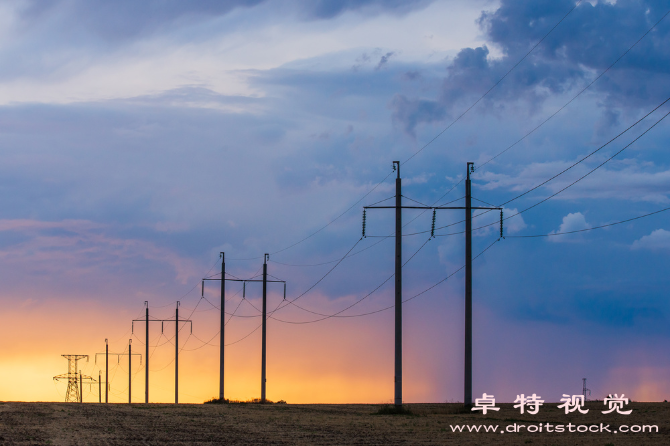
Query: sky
<point>138,140</point>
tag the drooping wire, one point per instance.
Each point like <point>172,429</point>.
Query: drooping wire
<point>585,175</point>
<point>590,229</point>
<point>338,315</point>
<point>328,316</point>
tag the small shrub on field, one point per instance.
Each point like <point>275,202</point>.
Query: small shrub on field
<point>390,409</point>
<point>251,401</point>
<point>217,401</point>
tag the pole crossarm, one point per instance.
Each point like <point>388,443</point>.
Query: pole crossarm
<point>118,356</point>
<point>244,284</point>
<point>415,207</point>
<point>157,320</point>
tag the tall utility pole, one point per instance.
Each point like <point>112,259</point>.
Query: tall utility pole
<point>265,281</point>
<point>146,356</point>
<point>176,355</point>
<point>118,360</point>
<point>222,324</point>
<point>106,371</point>
<point>398,288</point>
<point>146,320</point>
<point>263,343</point>
<point>398,278</point>
<point>467,377</point>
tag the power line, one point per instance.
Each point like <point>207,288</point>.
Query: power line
<point>589,229</point>
<point>338,315</point>
<point>588,173</point>
<point>325,226</point>
<point>355,303</point>
<point>432,140</point>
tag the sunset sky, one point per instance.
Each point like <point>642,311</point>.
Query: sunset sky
<point>140,139</point>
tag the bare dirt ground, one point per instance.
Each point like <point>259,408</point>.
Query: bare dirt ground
<point>313,424</point>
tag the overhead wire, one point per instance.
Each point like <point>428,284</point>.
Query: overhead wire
<point>339,315</point>
<point>433,139</point>
<point>591,228</point>
<point>585,175</point>
<point>325,316</point>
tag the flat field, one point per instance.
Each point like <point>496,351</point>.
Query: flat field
<point>316,424</point>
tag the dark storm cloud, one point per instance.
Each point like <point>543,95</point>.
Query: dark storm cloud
<point>326,9</point>
<point>126,19</point>
<point>589,40</point>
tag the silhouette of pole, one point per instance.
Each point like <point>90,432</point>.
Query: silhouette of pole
<point>106,371</point>
<point>398,288</point>
<point>146,367</point>
<point>223,324</point>
<point>467,397</point>
<point>100,386</point>
<point>130,375</point>
<point>265,283</point>
<point>176,356</point>
<point>81,389</point>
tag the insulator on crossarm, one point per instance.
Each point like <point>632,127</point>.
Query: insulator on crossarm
<point>501,224</point>
<point>432,229</point>
<point>363,223</point>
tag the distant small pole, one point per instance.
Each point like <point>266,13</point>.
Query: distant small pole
<point>584,389</point>
<point>100,386</point>
<point>106,371</point>
<point>265,281</point>
<point>176,356</point>
<point>130,375</point>
<point>81,389</point>
<point>146,362</point>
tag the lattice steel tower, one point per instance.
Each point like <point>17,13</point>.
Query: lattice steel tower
<point>73,394</point>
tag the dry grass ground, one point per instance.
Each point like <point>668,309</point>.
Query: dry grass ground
<point>309,424</point>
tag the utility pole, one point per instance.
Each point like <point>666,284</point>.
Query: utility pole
<point>118,360</point>
<point>176,355</point>
<point>81,388</point>
<point>106,371</point>
<point>584,389</point>
<point>222,325</point>
<point>263,343</point>
<point>146,320</point>
<point>467,377</point>
<point>398,278</point>
<point>100,386</point>
<point>146,356</point>
<point>265,281</point>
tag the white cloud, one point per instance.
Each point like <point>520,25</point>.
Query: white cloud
<point>571,222</point>
<point>626,179</point>
<point>658,239</point>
